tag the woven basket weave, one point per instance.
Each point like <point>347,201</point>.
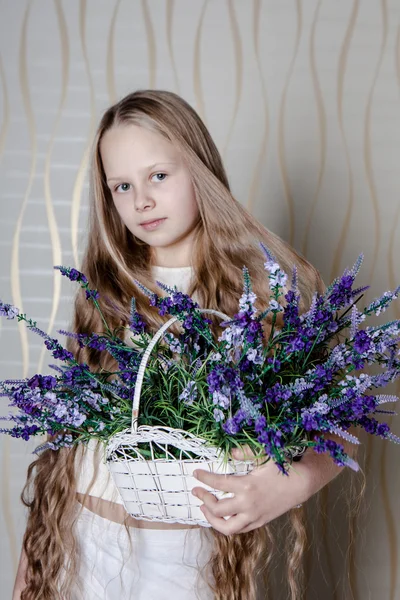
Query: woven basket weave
<point>160,489</point>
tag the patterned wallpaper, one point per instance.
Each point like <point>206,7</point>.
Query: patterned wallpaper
<point>303,100</point>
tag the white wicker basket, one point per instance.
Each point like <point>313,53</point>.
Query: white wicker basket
<point>160,489</point>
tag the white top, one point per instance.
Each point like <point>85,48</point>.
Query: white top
<point>144,564</point>
<point>103,486</point>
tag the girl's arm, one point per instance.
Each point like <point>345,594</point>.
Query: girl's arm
<point>265,493</point>
<point>20,582</point>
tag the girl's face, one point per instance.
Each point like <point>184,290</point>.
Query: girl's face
<point>149,180</point>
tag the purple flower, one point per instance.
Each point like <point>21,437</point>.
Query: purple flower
<point>362,342</point>
<point>230,426</point>
<point>57,350</point>
<point>136,323</point>
<point>93,399</point>
<point>222,375</point>
<point>8,310</point>
<point>72,274</point>
<point>97,342</point>
<point>312,421</point>
<point>335,450</point>
<point>92,295</point>
<point>271,439</point>
<point>291,317</point>
<point>260,424</point>
<point>369,423</point>
<point>77,418</point>
<point>341,293</point>
<point>75,374</point>
<point>382,429</point>
<point>221,399</point>
<point>296,344</point>
<point>189,394</point>
<point>253,331</point>
<point>22,432</point>
<point>277,393</point>
<point>240,416</point>
<point>276,364</point>
<point>45,382</point>
<point>218,414</point>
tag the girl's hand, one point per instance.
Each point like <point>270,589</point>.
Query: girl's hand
<point>266,493</point>
<point>259,497</point>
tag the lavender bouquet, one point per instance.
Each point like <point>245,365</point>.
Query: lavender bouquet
<point>279,396</point>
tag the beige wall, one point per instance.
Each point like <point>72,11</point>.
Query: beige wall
<point>303,100</point>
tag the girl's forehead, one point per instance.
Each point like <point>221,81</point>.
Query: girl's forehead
<point>135,137</point>
<point>126,143</point>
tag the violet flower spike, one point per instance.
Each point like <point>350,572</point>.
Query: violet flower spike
<point>384,398</point>
<point>145,290</point>
<point>294,285</point>
<point>357,265</point>
<point>267,252</point>
<point>72,274</point>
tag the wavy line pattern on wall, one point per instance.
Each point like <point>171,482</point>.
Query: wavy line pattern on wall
<point>80,175</point>
<point>391,526</point>
<point>321,116</point>
<point>238,62</point>
<point>16,262</point>
<point>111,85</point>
<point>343,57</point>
<point>6,118</point>
<point>281,127</point>
<point>273,107</point>
<point>6,109</point>
<point>170,37</point>
<point>260,162</point>
<point>51,217</point>
<point>151,44</point>
<point>197,84</point>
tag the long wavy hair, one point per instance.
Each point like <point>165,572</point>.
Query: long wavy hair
<point>226,234</point>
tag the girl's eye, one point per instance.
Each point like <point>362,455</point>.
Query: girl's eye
<point>124,187</point>
<point>159,176</point>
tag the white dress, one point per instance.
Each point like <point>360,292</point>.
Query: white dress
<point>147,564</point>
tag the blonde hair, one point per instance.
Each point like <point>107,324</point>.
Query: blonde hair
<point>226,234</point>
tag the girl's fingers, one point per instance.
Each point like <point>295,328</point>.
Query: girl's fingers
<point>225,483</point>
<point>225,507</point>
<point>226,526</point>
<point>243,453</point>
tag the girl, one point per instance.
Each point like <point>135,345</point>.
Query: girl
<point>161,208</point>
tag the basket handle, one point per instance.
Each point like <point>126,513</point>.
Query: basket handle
<point>145,358</point>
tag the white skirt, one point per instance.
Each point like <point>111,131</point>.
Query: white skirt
<point>160,564</point>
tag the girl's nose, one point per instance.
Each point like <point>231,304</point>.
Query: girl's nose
<point>143,201</point>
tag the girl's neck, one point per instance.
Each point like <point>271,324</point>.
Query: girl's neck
<point>163,267</point>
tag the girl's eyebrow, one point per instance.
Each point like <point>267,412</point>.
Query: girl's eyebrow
<point>149,168</point>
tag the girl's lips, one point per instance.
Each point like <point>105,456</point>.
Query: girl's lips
<point>152,225</point>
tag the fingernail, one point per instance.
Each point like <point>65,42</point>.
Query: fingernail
<point>195,474</point>
<point>194,493</point>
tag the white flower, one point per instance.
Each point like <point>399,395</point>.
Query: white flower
<point>175,346</point>
<point>271,267</point>
<point>275,306</point>
<point>254,356</point>
<point>220,399</point>
<point>218,414</point>
<point>60,411</point>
